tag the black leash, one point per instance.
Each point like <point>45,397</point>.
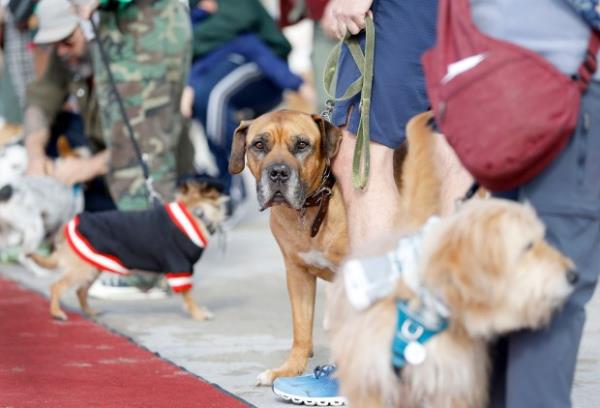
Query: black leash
<point>151,194</point>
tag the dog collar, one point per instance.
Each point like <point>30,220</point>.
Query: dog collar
<point>321,198</point>
<point>413,329</point>
<point>405,260</point>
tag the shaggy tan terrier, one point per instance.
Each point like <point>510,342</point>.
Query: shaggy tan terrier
<point>491,267</point>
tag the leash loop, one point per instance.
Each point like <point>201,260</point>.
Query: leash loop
<point>363,85</point>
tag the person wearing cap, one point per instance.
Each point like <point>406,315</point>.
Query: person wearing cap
<point>148,44</point>
<point>68,74</point>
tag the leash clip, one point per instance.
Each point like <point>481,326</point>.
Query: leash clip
<point>155,198</point>
<point>328,112</point>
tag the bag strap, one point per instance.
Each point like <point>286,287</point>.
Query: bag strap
<point>588,67</point>
<point>362,85</point>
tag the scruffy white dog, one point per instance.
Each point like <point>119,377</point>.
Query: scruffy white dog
<point>487,270</point>
<point>32,209</point>
<point>13,161</point>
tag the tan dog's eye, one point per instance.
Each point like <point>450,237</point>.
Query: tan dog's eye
<point>259,145</point>
<point>301,145</point>
<point>529,247</point>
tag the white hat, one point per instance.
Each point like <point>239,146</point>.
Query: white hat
<point>57,19</point>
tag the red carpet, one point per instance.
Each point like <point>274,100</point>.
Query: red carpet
<point>46,363</point>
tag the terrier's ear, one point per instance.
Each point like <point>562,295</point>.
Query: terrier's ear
<point>237,159</point>
<point>331,136</point>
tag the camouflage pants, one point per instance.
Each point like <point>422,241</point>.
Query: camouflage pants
<point>149,49</point>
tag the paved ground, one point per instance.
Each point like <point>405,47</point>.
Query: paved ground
<point>252,330</point>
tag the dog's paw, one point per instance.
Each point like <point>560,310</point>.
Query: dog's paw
<point>59,315</point>
<point>92,314</point>
<point>265,378</point>
<point>202,314</point>
<point>208,314</point>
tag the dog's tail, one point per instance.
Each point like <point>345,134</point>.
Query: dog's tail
<point>46,262</point>
<point>421,184</point>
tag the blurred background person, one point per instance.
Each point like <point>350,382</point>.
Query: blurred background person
<point>18,68</point>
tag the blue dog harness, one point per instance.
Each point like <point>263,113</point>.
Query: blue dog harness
<point>413,330</point>
<point>415,325</point>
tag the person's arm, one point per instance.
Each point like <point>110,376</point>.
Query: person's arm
<point>73,170</point>
<point>37,133</point>
<point>45,97</point>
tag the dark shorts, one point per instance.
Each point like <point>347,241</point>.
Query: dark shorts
<point>404,29</point>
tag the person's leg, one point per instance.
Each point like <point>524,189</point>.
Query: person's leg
<point>541,364</point>
<point>404,30</point>
<point>369,210</point>
<point>211,111</point>
<point>231,88</point>
<point>244,104</point>
<point>150,69</point>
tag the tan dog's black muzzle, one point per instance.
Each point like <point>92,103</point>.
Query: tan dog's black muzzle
<point>279,173</point>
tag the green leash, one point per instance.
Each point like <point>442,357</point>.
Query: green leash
<point>362,85</point>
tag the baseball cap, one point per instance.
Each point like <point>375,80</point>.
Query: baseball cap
<point>57,20</point>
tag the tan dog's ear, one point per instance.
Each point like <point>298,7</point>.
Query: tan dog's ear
<point>237,159</point>
<point>331,136</point>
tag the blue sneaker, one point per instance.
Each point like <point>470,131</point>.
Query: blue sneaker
<point>318,388</point>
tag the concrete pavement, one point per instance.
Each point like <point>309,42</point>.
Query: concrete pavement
<point>246,290</point>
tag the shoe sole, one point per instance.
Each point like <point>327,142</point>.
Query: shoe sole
<point>319,402</point>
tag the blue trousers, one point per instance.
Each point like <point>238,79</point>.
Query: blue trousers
<point>223,94</point>
<point>535,369</point>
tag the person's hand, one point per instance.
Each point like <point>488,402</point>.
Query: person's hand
<point>38,166</point>
<point>187,102</point>
<point>328,22</point>
<point>210,6</point>
<point>73,170</point>
<point>350,15</point>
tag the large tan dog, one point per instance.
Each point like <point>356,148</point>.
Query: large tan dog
<point>491,267</point>
<point>289,155</point>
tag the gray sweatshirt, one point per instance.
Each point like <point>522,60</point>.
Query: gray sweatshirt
<point>549,27</point>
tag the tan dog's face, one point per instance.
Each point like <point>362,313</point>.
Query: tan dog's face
<point>499,274</point>
<point>198,195</point>
<point>287,153</point>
